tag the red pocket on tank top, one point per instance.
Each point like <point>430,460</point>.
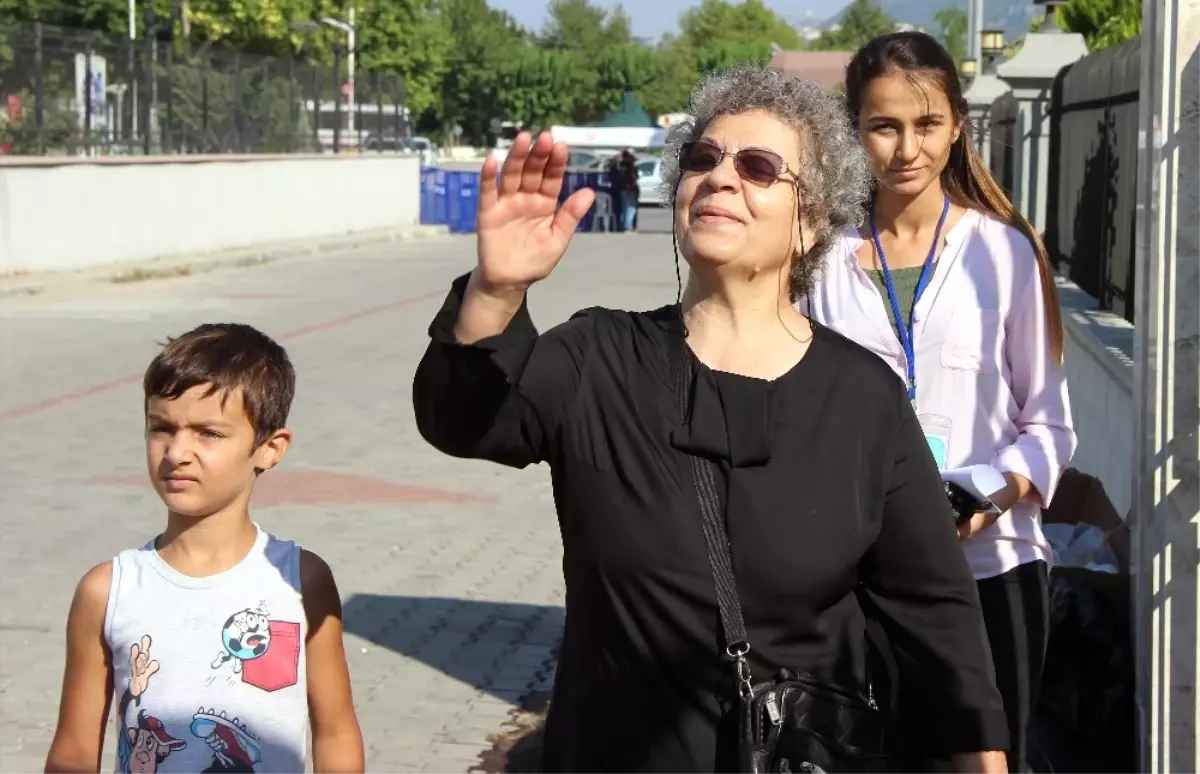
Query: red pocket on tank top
<point>279,666</point>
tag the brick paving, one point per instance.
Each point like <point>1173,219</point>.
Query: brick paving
<point>450,571</point>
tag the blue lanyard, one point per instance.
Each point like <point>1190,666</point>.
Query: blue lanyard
<point>905,327</point>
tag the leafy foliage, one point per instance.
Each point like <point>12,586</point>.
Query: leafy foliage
<point>952,22</point>
<point>1103,23</point>
<point>718,24</point>
<point>862,21</point>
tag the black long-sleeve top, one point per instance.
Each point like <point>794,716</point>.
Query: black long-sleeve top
<point>828,482</point>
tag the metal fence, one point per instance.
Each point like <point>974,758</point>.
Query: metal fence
<point>1003,115</point>
<point>1092,187</point>
<point>76,92</point>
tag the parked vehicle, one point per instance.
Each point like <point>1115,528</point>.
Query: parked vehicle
<point>649,169</point>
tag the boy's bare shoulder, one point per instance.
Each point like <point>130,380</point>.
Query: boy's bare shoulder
<point>316,578</point>
<point>91,593</point>
<point>318,590</point>
<point>315,572</point>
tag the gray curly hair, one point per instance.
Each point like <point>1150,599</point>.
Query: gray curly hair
<point>833,176</point>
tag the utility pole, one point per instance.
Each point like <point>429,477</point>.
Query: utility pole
<point>976,30</point>
<point>350,30</point>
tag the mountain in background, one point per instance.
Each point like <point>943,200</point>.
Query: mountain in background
<point>1012,16</point>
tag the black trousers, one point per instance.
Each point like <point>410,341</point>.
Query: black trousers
<point>1016,613</point>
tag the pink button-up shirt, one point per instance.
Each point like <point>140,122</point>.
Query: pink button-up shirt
<point>983,361</point>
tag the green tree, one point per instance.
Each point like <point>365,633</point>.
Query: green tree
<point>675,71</point>
<point>628,66</point>
<point>952,23</point>
<point>1103,23</point>
<point>580,26</point>
<point>594,41</point>
<point>406,37</point>
<point>713,36</point>
<point>267,27</point>
<point>862,21</point>
<point>720,23</point>
<point>724,56</point>
<point>538,87</point>
<point>485,42</point>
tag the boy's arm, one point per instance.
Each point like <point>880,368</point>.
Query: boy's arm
<point>87,680</point>
<point>336,739</point>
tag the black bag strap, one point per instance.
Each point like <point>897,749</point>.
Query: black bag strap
<point>720,559</point>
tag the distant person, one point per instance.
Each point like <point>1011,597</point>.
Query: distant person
<point>222,643</point>
<point>630,191</point>
<point>613,170</point>
<point>953,289</point>
<point>721,435</point>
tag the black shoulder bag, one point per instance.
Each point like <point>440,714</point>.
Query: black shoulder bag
<point>791,723</point>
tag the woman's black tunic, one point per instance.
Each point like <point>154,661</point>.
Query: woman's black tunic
<point>829,481</point>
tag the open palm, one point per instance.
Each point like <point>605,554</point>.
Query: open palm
<point>523,233</point>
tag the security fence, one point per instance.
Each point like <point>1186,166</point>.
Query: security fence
<point>77,92</point>
<point>1092,185</point>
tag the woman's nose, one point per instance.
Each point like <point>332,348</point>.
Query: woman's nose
<point>725,174</point>
<point>909,147</point>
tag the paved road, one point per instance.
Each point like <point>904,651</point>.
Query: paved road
<point>450,571</point>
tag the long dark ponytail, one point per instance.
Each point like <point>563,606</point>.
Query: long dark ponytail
<point>966,178</point>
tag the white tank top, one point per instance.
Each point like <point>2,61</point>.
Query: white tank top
<point>209,673</point>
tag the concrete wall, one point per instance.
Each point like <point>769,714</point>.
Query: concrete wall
<point>59,213</point>
<point>1099,359</point>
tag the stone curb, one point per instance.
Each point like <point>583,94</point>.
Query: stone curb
<point>198,263</point>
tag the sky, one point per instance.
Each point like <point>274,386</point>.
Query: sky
<point>651,18</point>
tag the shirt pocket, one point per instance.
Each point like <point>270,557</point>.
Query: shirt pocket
<point>974,341</point>
<point>279,665</point>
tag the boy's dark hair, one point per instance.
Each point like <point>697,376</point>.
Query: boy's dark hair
<point>227,357</point>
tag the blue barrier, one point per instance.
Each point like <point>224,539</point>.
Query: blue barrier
<point>451,198</point>
<point>462,202</point>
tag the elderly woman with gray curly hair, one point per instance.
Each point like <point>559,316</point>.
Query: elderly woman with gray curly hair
<point>744,495</point>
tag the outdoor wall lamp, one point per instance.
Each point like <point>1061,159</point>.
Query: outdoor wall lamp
<point>991,42</point>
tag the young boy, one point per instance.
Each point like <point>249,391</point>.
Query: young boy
<point>223,643</point>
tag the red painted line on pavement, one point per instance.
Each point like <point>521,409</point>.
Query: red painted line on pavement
<point>339,321</point>
<point>314,486</point>
<point>70,397</point>
<point>96,389</point>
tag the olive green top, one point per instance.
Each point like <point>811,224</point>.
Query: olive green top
<point>906,290</point>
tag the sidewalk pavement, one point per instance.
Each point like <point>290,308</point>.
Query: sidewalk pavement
<point>32,283</point>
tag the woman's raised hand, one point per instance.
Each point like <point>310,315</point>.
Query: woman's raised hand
<point>523,233</point>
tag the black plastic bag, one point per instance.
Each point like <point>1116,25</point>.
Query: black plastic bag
<point>1084,720</point>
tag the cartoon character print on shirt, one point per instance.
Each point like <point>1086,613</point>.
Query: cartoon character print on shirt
<point>234,748</point>
<point>144,744</point>
<point>265,653</point>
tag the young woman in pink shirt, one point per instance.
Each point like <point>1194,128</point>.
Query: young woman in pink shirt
<point>953,288</point>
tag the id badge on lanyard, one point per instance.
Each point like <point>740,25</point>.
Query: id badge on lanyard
<point>935,427</point>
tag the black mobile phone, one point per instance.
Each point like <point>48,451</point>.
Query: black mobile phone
<point>964,503</point>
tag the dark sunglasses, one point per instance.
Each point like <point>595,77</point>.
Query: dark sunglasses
<point>754,165</point>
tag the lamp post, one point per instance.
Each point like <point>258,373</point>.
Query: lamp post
<point>967,68</point>
<point>986,87</point>
<point>348,28</point>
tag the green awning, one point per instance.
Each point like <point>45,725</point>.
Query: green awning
<point>629,113</point>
